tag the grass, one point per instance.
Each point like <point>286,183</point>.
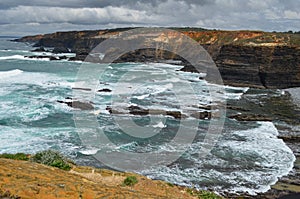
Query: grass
<point>52,158</point>
<point>130,181</point>
<point>204,194</point>
<point>7,195</point>
<point>17,156</point>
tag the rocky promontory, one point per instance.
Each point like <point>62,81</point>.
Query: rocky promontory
<point>244,58</point>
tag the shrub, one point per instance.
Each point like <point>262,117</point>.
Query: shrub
<point>203,194</point>
<point>17,156</point>
<point>130,181</point>
<point>52,158</point>
<point>208,195</point>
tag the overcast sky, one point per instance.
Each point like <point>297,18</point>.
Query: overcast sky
<point>23,17</point>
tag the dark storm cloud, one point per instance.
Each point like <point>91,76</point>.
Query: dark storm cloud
<point>54,15</point>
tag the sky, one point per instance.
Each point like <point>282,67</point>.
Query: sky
<point>28,17</point>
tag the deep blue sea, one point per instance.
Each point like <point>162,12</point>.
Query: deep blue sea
<point>247,156</point>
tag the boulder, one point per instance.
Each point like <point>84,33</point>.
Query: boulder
<point>105,90</point>
<point>40,49</point>
<point>58,50</point>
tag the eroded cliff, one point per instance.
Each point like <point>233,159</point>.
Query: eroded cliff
<point>244,58</point>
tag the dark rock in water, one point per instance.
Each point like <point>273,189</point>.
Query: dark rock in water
<point>135,110</point>
<point>112,111</point>
<point>291,196</point>
<point>202,115</point>
<point>83,89</point>
<point>105,90</point>
<point>72,59</point>
<point>40,49</point>
<point>81,54</point>
<point>250,117</point>
<point>271,194</point>
<point>290,138</point>
<point>38,57</point>
<point>237,108</point>
<point>58,50</point>
<point>51,58</point>
<point>78,104</point>
<point>204,107</point>
<point>176,114</point>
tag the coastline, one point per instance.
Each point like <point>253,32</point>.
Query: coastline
<point>26,179</point>
<point>286,185</point>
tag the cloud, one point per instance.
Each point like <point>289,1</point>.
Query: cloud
<point>220,14</point>
<point>34,14</point>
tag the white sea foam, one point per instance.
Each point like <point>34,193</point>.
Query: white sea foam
<point>33,78</point>
<point>100,111</point>
<point>159,125</point>
<point>89,151</point>
<point>11,73</point>
<point>271,157</point>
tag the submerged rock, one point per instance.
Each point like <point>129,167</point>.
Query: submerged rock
<point>202,115</point>
<point>136,110</point>
<point>51,58</point>
<point>83,89</point>
<point>250,117</point>
<point>78,104</point>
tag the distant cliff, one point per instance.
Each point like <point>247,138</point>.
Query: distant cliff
<point>244,58</point>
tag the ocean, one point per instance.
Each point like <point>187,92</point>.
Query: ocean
<point>245,157</point>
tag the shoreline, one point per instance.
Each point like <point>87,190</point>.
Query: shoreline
<point>113,179</point>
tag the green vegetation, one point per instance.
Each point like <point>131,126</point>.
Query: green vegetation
<point>170,184</point>
<point>18,156</point>
<point>204,194</point>
<point>52,158</point>
<point>7,195</point>
<point>130,181</point>
<point>49,157</point>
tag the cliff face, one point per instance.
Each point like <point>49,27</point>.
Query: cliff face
<point>244,58</point>
<point>260,66</point>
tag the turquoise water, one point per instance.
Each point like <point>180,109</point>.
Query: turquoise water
<point>247,156</point>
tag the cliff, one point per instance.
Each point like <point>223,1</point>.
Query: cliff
<point>244,58</point>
